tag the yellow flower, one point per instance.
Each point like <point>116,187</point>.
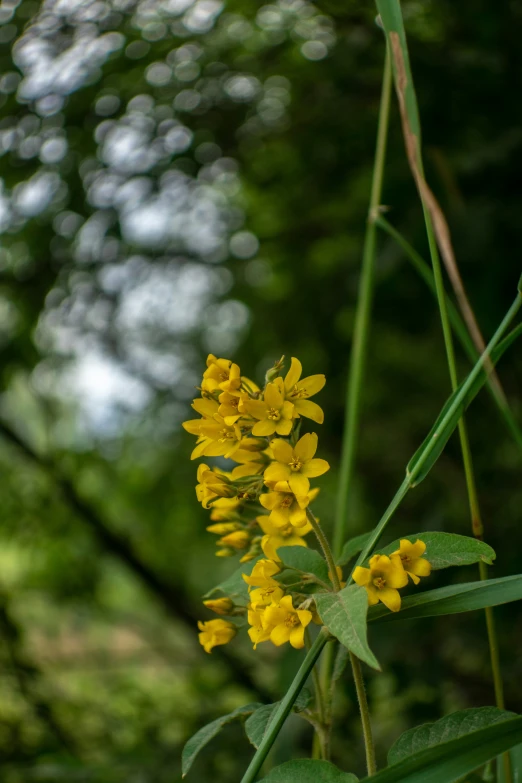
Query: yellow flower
<point>274,414</point>
<point>288,624</point>
<point>212,485</point>
<point>296,465</point>
<point>256,632</point>
<point>224,509</point>
<point>232,405</point>
<point>262,574</point>
<point>285,508</point>
<point>263,596</point>
<point>298,391</point>
<point>222,528</point>
<point>221,375</point>
<point>382,579</point>
<point>219,605</point>
<point>412,560</point>
<point>239,539</point>
<point>276,537</point>
<point>215,632</point>
<point>217,438</point>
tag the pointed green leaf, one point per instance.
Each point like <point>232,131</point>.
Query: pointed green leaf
<point>454,599</point>
<point>344,614</point>
<point>448,728</point>
<point>449,761</point>
<point>198,741</point>
<point>257,724</point>
<point>304,560</point>
<point>352,547</point>
<point>235,586</point>
<point>308,771</point>
<point>447,549</point>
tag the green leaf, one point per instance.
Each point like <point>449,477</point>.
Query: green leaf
<point>454,599</point>
<point>257,724</point>
<point>447,549</point>
<point>449,761</point>
<point>440,433</point>
<point>306,561</point>
<point>344,614</point>
<point>448,728</point>
<point>235,586</point>
<point>198,741</point>
<point>308,771</point>
<point>352,547</point>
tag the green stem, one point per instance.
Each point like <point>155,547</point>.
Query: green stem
<point>285,706</point>
<point>456,320</point>
<point>320,748</point>
<point>327,552</point>
<point>362,320</point>
<point>365,714</point>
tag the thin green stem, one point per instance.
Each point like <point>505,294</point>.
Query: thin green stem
<point>365,714</point>
<point>285,706</point>
<point>327,552</point>
<point>320,748</point>
<point>362,319</point>
<point>459,327</point>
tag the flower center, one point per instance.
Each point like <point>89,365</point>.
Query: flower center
<point>273,415</point>
<point>298,392</point>
<point>379,582</point>
<point>224,376</point>
<point>295,464</point>
<point>291,621</point>
<point>227,435</point>
<point>287,501</point>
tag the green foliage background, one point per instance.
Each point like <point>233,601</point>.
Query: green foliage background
<point>124,262</point>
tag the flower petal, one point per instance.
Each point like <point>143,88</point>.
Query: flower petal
<point>312,384</point>
<point>361,576</point>
<point>390,598</point>
<point>293,374</point>
<point>299,484</point>
<point>315,467</point>
<point>273,397</point>
<point>280,634</point>
<point>373,595</point>
<point>283,426</point>
<point>256,408</point>
<point>420,567</point>
<point>269,499</point>
<point>310,410</point>
<point>277,472</point>
<point>264,428</point>
<point>282,451</point>
<point>305,617</point>
<point>306,447</point>
<point>297,637</point>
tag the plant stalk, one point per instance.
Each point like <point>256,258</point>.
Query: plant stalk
<point>362,319</point>
<point>285,706</point>
<point>369,747</point>
<point>327,552</point>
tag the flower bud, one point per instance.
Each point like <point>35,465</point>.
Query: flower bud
<point>220,605</point>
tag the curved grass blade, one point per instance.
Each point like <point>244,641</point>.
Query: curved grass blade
<point>449,761</point>
<point>453,599</point>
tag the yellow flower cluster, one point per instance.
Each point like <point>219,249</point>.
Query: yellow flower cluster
<point>386,575</point>
<point>257,428</point>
